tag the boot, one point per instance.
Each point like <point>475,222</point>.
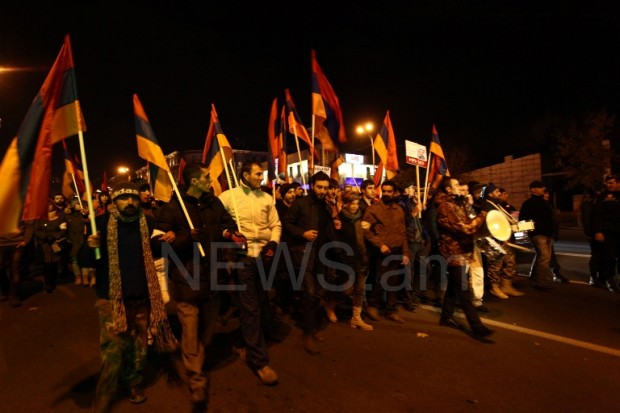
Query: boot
<point>496,291</point>
<point>330,307</point>
<point>358,322</point>
<point>508,289</point>
<point>93,278</point>
<point>77,273</point>
<point>310,344</point>
<point>372,313</point>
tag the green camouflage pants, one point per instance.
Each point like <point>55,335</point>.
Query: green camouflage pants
<point>502,267</point>
<point>123,356</point>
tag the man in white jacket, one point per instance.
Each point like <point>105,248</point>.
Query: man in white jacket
<point>257,218</point>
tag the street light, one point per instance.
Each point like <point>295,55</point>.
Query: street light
<point>367,129</point>
<point>124,170</point>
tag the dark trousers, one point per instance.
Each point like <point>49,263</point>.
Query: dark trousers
<point>458,288</point>
<point>253,312</point>
<point>596,260</point>
<point>390,280</point>
<point>10,267</point>
<point>312,294</point>
<point>610,252</point>
<point>50,271</point>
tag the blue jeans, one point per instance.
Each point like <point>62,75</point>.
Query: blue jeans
<point>541,268</point>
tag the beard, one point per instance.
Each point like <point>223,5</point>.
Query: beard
<point>387,199</point>
<point>129,211</point>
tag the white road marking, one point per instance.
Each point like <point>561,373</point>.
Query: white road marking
<point>573,254</point>
<point>553,337</point>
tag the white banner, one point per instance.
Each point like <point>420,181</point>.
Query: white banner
<point>415,154</point>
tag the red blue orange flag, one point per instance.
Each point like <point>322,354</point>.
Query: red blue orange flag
<point>150,151</point>
<point>104,183</point>
<point>385,146</point>
<point>294,122</point>
<point>277,142</point>
<point>438,167</point>
<point>73,176</point>
<point>217,152</point>
<point>54,115</point>
<point>329,126</point>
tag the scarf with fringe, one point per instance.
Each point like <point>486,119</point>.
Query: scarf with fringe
<point>159,327</point>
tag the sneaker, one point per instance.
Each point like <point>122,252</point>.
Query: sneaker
<point>412,308</point>
<point>267,376</point>
<point>450,322</point>
<point>395,318</point>
<point>482,309</point>
<point>241,352</point>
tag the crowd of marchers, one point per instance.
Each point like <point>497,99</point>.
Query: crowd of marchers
<point>315,255</point>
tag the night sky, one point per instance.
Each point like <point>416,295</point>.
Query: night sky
<point>489,74</point>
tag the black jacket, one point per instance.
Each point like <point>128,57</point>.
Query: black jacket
<point>308,213</point>
<point>540,211</point>
<point>208,216</point>
<point>606,213</point>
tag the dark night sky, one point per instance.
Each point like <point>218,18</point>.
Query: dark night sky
<point>484,72</point>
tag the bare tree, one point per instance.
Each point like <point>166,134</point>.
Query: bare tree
<point>583,151</point>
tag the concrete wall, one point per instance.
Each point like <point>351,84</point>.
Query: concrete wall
<point>514,175</point>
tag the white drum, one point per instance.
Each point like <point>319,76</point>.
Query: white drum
<point>523,226</point>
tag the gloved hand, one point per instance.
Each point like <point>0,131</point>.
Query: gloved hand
<point>196,235</point>
<point>238,238</point>
<point>268,251</point>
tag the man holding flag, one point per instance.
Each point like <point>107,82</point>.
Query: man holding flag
<point>257,218</point>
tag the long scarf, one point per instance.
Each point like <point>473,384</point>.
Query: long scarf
<point>159,326</point>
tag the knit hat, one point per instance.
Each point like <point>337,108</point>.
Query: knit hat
<point>125,188</point>
<point>491,187</point>
<point>537,184</point>
<point>284,188</point>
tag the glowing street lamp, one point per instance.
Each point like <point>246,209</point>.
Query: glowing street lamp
<point>124,170</point>
<point>367,129</point>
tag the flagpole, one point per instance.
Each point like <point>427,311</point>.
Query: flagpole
<point>232,194</point>
<point>311,172</point>
<point>180,198</point>
<point>417,179</point>
<point>89,194</point>
<point>232,168</point>
<point>303,180</point>
<point>428,170</point>
<point>77,191</point>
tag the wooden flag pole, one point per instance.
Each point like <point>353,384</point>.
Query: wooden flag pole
<point>303,180</point>
<point>89,195</point>
<point>77,192</point>
<point>428,170</point>
<point>180,198</point>
<point>417,179</point>
<point>232,194</point>
<point>232,168</point>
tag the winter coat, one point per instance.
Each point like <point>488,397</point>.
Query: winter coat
<point>456,229</point>
<point>208,216</point>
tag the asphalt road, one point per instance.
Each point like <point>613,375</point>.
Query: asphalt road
<point>556,351</point>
